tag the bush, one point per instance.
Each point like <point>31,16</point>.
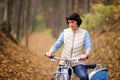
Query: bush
<point>99,13</point>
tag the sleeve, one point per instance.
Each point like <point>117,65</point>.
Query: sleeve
<point>59,42</point>
<point>88,44</point>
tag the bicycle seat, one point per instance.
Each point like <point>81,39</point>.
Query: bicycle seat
<point>88,66</point>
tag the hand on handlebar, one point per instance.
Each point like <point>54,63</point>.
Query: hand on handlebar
<point>48,54</point>
<point>83,57</point>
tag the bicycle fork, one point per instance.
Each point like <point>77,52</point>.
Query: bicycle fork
<point>62,73</point>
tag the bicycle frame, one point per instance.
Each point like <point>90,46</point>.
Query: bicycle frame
<point>62,72</point>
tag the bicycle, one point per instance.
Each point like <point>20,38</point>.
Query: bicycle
<point>66,72</point>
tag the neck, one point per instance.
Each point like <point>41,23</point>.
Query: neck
<point>75,29</point>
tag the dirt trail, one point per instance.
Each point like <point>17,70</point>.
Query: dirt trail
<point>39,43</point>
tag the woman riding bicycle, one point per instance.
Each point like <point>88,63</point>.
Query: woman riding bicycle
<point>74,40</point>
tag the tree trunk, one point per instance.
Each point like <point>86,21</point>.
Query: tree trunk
<point>69,6</point>
<point>7,17</point>
<point>87,5</point>
<point>19,20</point>
<point>76,8</point>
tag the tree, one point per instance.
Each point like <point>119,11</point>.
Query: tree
<point>77,6</point>
<point>18,17</point>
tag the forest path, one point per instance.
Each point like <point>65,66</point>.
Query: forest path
<point>40,43</point>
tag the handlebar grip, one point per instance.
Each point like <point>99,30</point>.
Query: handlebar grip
<point>52,56</point>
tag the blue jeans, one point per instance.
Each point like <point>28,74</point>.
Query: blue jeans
<point>81,72</point>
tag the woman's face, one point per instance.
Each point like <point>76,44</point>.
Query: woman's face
<point>73,24</point>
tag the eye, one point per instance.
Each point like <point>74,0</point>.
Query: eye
<point>72,22</point>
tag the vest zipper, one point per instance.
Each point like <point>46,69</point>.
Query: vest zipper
<point>72,44</point>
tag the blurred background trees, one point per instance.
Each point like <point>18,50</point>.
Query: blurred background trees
<point>23,17</point>
<point>18,16</point>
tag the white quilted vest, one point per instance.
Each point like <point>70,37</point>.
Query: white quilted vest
<point>73,44</point>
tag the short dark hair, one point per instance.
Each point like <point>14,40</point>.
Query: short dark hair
<point>76,17</point>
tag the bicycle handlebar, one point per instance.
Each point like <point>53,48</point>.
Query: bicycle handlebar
<point>88,66</point>
<point>65,59</point>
